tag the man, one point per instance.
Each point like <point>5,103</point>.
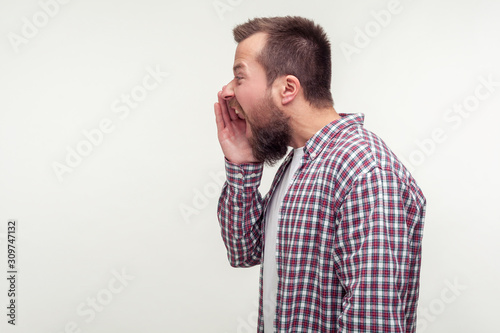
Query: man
<point>339,234</point>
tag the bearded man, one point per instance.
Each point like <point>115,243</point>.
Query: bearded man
<point>338,236</point>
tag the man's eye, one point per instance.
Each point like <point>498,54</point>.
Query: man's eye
<point>238,77</point>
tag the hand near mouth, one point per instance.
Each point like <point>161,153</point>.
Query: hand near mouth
<point>232,133</point>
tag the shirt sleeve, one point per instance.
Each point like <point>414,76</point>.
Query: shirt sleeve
<point>377,257</point>
<point>240,214</point>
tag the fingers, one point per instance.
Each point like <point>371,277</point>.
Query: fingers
<point>218,117</point>
<point>224,110</point>
<point>225,103</point>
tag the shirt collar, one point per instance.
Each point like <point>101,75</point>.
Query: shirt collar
<point>323,137</point>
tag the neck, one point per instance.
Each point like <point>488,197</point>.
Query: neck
<point>306,124</point>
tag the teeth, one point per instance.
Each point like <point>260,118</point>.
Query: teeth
<point>236,111</point>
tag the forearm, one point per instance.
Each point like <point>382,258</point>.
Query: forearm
<point>239,212</point>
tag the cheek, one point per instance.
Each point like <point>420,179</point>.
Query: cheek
<point>248,96</point>
<point>244,99</point>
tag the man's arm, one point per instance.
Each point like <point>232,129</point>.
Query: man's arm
<point>377,253</point>
<point>240,214</point>
<point>240,204</point>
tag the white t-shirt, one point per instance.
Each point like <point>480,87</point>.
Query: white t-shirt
<point>270,273</point>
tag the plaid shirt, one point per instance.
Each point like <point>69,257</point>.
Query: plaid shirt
<point>349,234</point>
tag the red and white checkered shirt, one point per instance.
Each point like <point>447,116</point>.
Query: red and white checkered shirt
<point>349,235</point>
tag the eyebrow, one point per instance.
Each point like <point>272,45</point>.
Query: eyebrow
<point>238,66</point>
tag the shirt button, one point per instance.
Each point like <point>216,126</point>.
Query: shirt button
<point>239,176</point>
<point>313,155</point>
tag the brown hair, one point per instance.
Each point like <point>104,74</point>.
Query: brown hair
<point>295,46</point>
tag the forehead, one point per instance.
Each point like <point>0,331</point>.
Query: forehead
<point>248,51</point>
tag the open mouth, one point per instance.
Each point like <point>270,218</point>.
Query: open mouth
<point>233,104</point>
<point>239,112</point>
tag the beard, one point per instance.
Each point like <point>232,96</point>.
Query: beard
<point>270,137</point>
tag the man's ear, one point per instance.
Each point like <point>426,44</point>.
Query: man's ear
<point>290,87</point>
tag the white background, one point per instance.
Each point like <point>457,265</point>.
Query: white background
<point>143,201</point>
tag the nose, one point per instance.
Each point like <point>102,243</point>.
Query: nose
<point>227,91</point>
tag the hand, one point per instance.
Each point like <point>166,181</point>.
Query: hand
<point>231,132</point>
